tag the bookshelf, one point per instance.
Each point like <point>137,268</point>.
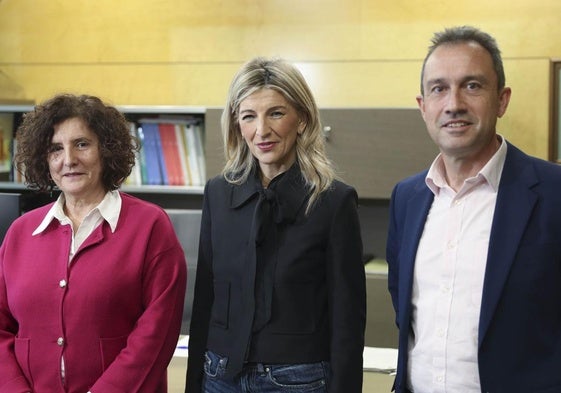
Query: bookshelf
<point>177,196</point>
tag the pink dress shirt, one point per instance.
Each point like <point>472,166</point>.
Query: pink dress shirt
<point>448,280</point>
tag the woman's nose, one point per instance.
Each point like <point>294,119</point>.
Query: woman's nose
<point>69,157</point>
<point>262,128</point>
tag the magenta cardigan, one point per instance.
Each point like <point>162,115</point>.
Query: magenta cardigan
<point>115,311</point>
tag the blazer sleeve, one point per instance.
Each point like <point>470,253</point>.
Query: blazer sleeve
<point>347,295</point>
<point>202,304</point>
<point>392,248</point>
<point>141,365</point>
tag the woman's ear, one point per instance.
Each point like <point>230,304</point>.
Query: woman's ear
<point>301,127</point>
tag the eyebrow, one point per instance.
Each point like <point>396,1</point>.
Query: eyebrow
<point>274,107</point>
<point>73,140</point>
<point>478,77</point>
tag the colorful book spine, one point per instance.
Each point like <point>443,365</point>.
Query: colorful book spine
<point>200,153</point>
<point>196,179</point>
<point>180,136</point>
<point>170,150</point>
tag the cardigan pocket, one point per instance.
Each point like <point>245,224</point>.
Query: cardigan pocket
<point>110,349</point>
<point>21,350</point>
<point>221,305</point>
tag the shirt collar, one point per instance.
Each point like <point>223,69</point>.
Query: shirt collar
<point>491,172</point>
<point>109,208</point>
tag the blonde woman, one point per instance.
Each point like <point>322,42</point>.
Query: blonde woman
<point>280,291</point>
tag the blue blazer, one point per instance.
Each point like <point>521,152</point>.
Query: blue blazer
<point>520,320</point>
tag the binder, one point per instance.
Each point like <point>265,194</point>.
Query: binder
<point>152,154</point>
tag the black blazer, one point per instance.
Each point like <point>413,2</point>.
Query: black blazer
<point>319,295</point>
<point>520,321</point>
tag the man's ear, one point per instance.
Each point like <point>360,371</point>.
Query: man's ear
<point>421,104</point>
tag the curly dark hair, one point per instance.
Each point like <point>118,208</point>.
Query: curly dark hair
<point>33,137</point>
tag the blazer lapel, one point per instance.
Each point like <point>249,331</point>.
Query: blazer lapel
<point>417,210</point>
<point>515,201</point>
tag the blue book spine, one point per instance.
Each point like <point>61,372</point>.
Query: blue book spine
<point>161,159</point>
<point>153,170</point>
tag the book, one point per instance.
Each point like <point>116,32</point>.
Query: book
<point>152,153</point>
<point>160,156</point>
<point>199,152</point>
<point>191,139</point>
<point>180,136</point>
<point>170,150</point>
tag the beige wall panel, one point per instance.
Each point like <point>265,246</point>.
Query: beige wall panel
<point>192,85</point>
<point>526,122</point>
<point>334,84</point>
<point>209,31</point>
<point>355,53</point>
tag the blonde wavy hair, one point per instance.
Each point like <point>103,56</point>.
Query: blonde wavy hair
<point>281,76</point>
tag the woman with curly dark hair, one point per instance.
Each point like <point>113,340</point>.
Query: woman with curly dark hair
<point>91,286</point>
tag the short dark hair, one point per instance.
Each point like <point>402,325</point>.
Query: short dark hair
<point>33,138</point>
<point>462,34</point>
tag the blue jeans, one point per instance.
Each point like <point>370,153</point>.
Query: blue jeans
<point>265,378</point>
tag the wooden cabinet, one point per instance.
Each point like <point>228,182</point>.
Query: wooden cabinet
<point>214,145</point>
<point>374,148</point>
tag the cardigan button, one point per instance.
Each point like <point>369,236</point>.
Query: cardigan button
<point>60,341</point>
<point>62,283</point>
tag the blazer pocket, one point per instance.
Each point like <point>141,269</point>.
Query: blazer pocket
<point>110,349</point>
<point>221,307</point>
<point>21,350</point>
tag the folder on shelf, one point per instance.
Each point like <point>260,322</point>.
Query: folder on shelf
<point>182,147</point>
<point>196,171</point>
<point>162,166</point>
<point>200,153</point>
<point>152,153</point>
<point>170,150</point>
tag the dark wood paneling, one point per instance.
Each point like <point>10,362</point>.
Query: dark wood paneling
<point>375,148</point>
<point>214,150</point>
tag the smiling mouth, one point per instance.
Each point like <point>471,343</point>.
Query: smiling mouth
<point>266,145</point>
<point>456,124</point>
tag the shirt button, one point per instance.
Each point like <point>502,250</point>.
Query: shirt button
<point>62,283</point>
<point>440,378</point>
<point>60,341</point>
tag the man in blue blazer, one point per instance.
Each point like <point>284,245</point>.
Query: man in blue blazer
<point>474,242</point>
